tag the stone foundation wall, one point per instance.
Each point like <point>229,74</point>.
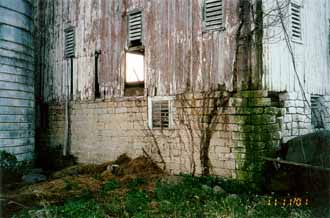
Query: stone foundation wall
<point>297,118</point>
<point>326,111</point>
<point>244,127</point>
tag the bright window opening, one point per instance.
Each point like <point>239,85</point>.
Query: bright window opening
<point>134,68</point>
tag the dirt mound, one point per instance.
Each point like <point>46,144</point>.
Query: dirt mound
<point>53,192</point>
<point>81,169</point>
<point>123,160</point>
<point>140,166</point>
<point>75,180</point>
<point>123,166</point>
<point>59,189</point>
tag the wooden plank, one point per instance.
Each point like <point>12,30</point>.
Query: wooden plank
<point>296,164</point>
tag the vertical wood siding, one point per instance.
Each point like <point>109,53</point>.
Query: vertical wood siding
<point>178,55</point>
<point>311,55</point>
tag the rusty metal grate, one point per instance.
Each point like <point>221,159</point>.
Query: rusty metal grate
<point>160,114</point>
<point>135,26</point>
<point>213,14</point>
<point>296,21</point>
<point>69,42</point>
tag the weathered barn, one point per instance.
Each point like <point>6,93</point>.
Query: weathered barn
<point>201,86</point>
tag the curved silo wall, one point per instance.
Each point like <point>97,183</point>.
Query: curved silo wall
<point>16,79</point>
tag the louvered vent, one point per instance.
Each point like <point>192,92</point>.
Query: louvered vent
<point>296,21</point>
<point>316,115</point>
<point>213,14</point>
<point>69,42</point>
<point>160,114</point>
<point>135,28</point>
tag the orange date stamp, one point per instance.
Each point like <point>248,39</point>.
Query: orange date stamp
<point>288,201</point>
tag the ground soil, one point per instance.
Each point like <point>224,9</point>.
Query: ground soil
<point>75,180</point>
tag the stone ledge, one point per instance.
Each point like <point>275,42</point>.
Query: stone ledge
<point>259,102</point>
<point>252,94</point>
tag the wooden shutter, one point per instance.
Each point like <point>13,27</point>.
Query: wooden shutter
<point>69,42</point>
<point>296,21</point>
<point>213,14</point>
<point>135,27</point>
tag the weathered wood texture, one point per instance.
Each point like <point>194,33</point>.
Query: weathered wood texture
<point>311,54</point>
<point>178,54</point>
<point>16,79</point>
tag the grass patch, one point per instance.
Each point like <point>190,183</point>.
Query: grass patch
<point>82,208</point>
<point>136,203</point>
<point>136,182</point>
<point>70,185</point>
<point>110,186</point>
<point>190,197</point>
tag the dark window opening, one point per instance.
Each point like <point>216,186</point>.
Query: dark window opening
<point>316,112</point>
<point>134,89</point>
<point>96,70</point>
<point>71,78</point>
<point>160,114</point>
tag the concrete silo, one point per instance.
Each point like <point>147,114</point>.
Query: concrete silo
<point>16,78</point>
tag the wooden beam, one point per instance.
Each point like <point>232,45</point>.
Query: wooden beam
<point>296,164</point>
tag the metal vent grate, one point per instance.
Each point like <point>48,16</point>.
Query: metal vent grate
<point>69,42</point>
<point>160,114</point>
<point>135,26</point>
<point>316,115</point>
<point>213,14</point>
<point>295,21</point>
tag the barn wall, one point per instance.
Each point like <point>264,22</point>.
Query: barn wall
<point>297,119</point>
<point>178,55</point>
<point>311,54</point>
<point>246,127</point>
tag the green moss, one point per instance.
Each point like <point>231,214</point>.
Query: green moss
<point>257,143</point>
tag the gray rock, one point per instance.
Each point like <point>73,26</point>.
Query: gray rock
<point>69,171</point>
<point>172,179</point>
<point>206,188</point>
<point>218,189</point>
<point>33,178</point>
<point>233,196</point>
